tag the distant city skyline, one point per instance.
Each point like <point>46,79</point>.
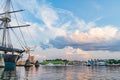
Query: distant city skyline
<point>68,29</point>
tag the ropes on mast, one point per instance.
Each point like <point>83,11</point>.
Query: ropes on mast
<point>31,37</point>
<point>19,27</point>
<point>20,42</point>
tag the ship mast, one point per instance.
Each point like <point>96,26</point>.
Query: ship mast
<point>6,19</point>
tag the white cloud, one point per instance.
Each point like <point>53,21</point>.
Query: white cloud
<point>48,15</point>
<point>76,54</point>
<point>66,53</point>
<point>59,22</point>
<point>95,35</point>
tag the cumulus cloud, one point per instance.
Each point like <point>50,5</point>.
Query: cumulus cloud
<point>95,35</point>
<point>61,28</point>
<point>65,53</point>
<point>105,38</point>
<point>76,54</point>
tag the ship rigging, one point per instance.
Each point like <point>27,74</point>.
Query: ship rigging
<point>6,45</point>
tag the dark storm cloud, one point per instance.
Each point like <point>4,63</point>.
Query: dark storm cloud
<point>61,42</point>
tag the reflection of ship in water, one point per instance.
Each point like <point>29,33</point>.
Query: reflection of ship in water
<point>29,71</point>
<point>1,71</point>
<point>17,73</point>
<point>10,54</point>
<point>8,73</point>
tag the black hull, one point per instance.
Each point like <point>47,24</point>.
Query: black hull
<point>10,58</point>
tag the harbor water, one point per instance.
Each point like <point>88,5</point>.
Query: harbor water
<point>61,73</point>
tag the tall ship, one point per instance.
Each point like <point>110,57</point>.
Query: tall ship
<point>8,52</point>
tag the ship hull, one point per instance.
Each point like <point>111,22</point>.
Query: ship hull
<point>10,59</point>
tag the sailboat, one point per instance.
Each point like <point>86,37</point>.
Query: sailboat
<point>9,54</point>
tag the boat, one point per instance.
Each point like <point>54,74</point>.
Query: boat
<point>9,53</point>
<point>28,63</point>
<point>37,63</point>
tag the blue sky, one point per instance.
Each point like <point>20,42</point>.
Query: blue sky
<point>107,10</point>
<point>72,29</point>
<point>89,10</point>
